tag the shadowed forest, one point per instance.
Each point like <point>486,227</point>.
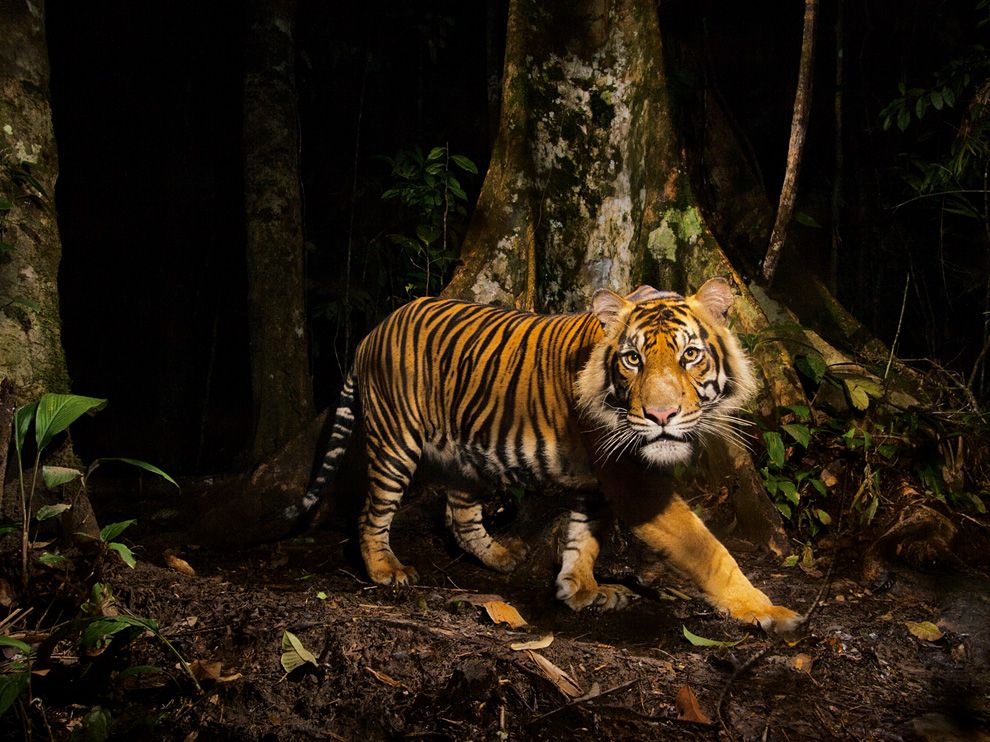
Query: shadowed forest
<point>204,207</point>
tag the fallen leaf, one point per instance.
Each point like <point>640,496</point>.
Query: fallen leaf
<point>294,654</point>
<point>688,708</point>
<point>803,662</point>
<point>828,478</point>
<point>564,682</point>
<point>179,565</point>
<point>6,594</point>
<point>700,641</point>
<point>542,643</point>
<point>383,678</point>
<point>203,671</point>
<point>229,678</point>
<point>924,630</point>
<point>500,612</point>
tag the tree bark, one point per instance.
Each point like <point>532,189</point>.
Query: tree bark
<point>587,188</point>
<point>795,148</point>
<point>31,354</point>
<point>281,385</point>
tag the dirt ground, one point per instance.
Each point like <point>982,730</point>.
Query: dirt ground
<point>429,662</point>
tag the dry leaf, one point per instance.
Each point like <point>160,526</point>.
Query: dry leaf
<point>229,678</point>
<point>203,671</point>
<point>803,662</point>
<point>828,478</point>
<point>542,643</point>
<point>179,565</point>
<point>564,682</point>
<point>500,612</point>
<point>688,708</point>
<point>924,630</point>
<point>6,594</point>
<point>383,678</point>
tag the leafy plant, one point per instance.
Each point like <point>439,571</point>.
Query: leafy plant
<point>435,203</point>
<point>50,415</point>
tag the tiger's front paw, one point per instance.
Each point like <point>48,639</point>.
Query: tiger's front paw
<point>505,557</point>
<point>772,618</point>
<point>390,571</point>
<point>601,597</point>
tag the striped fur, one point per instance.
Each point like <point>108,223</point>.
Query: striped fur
<point>503,397</point>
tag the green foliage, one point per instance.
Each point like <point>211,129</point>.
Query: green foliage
<point>433,212</point>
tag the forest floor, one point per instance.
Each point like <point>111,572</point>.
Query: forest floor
<point>430,662</point>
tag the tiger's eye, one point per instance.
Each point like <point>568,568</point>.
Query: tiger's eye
<point>630,358</point>
<point>691,354</point>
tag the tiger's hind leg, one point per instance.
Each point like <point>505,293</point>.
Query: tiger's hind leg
<point>391,465</point>
<point>464,518</point>
<point>691,548</point>
<point>576,584</point>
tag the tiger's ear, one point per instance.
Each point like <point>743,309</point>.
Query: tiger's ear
<point>606,306</point>
<point>716,296</point>
<point>644,293</point>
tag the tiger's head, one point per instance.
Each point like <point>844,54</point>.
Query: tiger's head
<point>666,371</point>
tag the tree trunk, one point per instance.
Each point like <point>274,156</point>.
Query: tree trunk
<point>587,188</point>
<point>31,353</point>
<point>281,385</point>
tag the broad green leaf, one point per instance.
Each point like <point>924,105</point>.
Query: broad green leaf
<point>50,559</point>
<point>22,424</point>
<point>700,641</point>
<point>936,98</point>
<point>56,412</point>
<point>812,366</point>
<point>294,654</point>
<point>949,97</point>
<point>824,517</point>
<point>803,412</point>
<point>56,476</point>
<point>9,641</point>
<point>819,485</point>
<point>792,560</point>
<point>789,490</point>
<point>465,164</point>
<point>800,433</point>
<point>806,220</point>
<point>12,684</point>
<point>920,107</point>
<point>9,526</point>
<point>110,532</point>
<point>775,448</point>
<point>436,153</point>
<point>101,628</point>
<point>50,511</point>
<point>126,555</point>
<point>903,119</point>
<point>858,397</point>
<point>135,462</point>
<point>784,509</point>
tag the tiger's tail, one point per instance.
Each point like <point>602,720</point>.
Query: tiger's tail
<point>343,427</point>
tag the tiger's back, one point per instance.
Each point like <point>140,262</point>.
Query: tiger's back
<point>483,389</point>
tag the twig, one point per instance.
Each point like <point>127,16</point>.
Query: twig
<point>583,699</point>
<point>795,148</point>
<point>900,323</point>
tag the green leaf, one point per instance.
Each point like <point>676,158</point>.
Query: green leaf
<point>887,450</point>
<point>857,395</point>
<point>465,164</point>
<point>792,560</point>
<point>824,517</point>
<point>936,98</point>
<point>50,559</point>
<point>9,641</point>
<point>110,532</point>
<point>775,448</point>
<point>784,509</point>
<point>56,412</point>
<point>803,412</point>
<point>819,485</point>
<point>700,641</point>
<point>95,726</point>
<point>800,433</point>
<point>436,153</point>
<point>22,424</point>
<point>813,367</point>
<point>101,628</point>
<point>134,462</point>
<point>920,106</point>
<point>50,511</point>
<point>949,97</point>
<point>126,555</point>
<point>903,119</point>
<point>294,654</point>
<point>9,526</point>
<point>56,476</point>
<point>807,220</point>
<point>12,684</point>
<point>789,490</point>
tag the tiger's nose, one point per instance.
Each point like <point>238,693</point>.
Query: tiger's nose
<point>660,417</point>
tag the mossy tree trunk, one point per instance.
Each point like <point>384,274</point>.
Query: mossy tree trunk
<point>280,380</point>
<point>588,188</point>
<point>31,354</point>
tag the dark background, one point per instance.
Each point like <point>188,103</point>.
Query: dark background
<point>147,111</point>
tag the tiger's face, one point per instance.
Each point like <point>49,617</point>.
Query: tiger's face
<point>666,371</point>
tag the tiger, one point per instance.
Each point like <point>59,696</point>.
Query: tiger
<point>603,403</point>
